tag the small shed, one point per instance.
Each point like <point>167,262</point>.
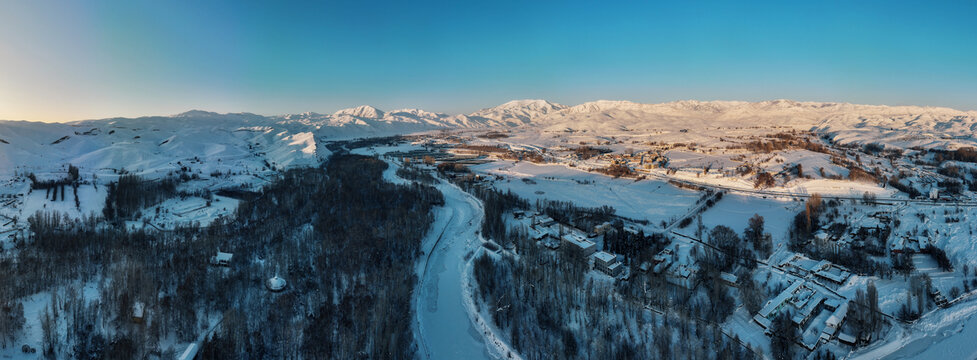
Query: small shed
<point>138,312</point>
<point>221,259</point>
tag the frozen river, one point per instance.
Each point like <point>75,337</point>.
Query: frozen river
<point>445,326</point>
<point>445,330</point>
<point>941,335</point>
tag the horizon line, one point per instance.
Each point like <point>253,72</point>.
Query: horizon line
<point>470,112</point>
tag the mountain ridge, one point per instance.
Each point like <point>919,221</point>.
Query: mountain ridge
<point>522,112</point>
<point>257,141</point>
<point>297,138</point>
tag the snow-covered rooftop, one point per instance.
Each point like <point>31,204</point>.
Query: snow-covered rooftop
<point>579,240</point>
<point>728,277</point>
<point>223,257</point>
<point>604,256</point>
<point>781,298</point>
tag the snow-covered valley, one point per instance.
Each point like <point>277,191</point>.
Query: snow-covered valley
<point>641,207</point>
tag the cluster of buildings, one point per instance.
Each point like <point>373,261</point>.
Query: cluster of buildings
<point>907,244</point>
<point>816,311</point>
<point>439,154</point>
<point>640,160</point>
<point>817,315</point>
<point>676,272</point>
<point>223,259</point>
<point>553,235</point>
<point>823,271</point>
<point>869,233</point>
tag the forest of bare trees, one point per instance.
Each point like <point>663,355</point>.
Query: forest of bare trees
<point>345,240</point>
<point>132,193</point>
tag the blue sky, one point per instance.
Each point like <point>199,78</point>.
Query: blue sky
<point>65,60</point>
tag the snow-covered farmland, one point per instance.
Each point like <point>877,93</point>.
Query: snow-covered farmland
<point>734,210</point>
<point>652,200</point>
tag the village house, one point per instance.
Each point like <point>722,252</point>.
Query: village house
<point>551,243</point>
<point>600,229</point>
<point>681,275</point>
<point>663,260</point>
<point>798,264</point>
<point>548,235</point>
<point>812,305</point>
<point>906,244</point>
<point>823,271</point>
<point>632,229</point>
<point>846,339</point>
<point>538,234</point>
<point>644,266</point>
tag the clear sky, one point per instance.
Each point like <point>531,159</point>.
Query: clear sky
<point>67,60</point>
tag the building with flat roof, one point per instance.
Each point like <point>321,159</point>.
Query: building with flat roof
<point>607,263</point>
<point>580,243</point>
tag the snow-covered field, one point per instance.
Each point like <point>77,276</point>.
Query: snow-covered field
<point>651,200</point>
<point>192,210</point>
<point>734,211</point>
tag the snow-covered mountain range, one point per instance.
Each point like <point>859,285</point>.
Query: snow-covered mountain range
<point>152,142</point>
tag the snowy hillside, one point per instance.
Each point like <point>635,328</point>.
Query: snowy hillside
<point>514,113</point>
<point>903,126</point>
<point>158,141</point>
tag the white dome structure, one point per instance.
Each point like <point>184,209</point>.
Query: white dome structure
<point>276,283</point>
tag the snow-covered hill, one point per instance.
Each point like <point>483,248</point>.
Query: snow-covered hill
<point>248,139</point>
<point>902,126</point>
<point>515,113</point>
<point>220,141</point>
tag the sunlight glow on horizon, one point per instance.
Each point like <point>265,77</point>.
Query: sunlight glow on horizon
<point>67,61</point>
